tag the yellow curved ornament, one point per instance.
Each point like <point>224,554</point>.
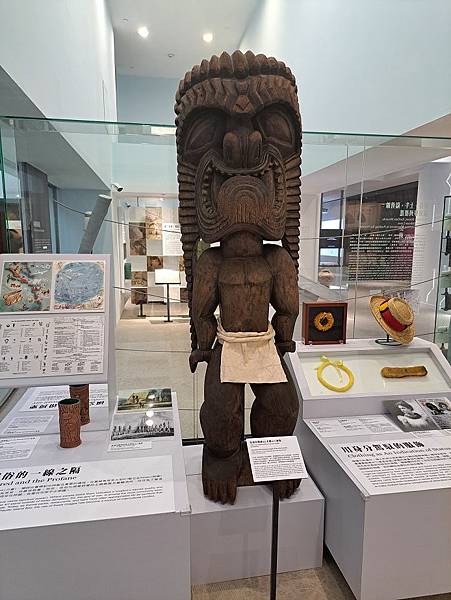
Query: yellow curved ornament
<point>339,367</point>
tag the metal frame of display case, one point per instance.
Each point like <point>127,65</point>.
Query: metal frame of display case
<point>442,333</point>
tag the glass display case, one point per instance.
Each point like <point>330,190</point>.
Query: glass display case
<point>371,222</point>
<point>442,314</point>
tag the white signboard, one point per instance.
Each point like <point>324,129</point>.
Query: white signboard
<point>276,458</point>
<point>398,465</point>
<point>172,242</point>
<point>352,425</point>
<point>14,448</point>
<point>53,314</point>
<point>47,398</point>
<point>87,491</point>
<point>28,425</point>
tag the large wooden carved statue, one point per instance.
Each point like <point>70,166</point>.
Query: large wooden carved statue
<point>238,145</point>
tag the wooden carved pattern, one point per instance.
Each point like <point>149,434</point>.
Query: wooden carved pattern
<point>69,421</point>
<point>81,392</point>
<point>238,153</point>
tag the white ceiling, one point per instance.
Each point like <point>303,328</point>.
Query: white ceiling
<point>176,27</point>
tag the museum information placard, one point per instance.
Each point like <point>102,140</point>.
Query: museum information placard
<point>398,465</point>
<point>352,425</point>
<point>276,458</point>
<point>85,491</point>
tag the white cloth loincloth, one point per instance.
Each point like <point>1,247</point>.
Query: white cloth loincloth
<point>249,357</point>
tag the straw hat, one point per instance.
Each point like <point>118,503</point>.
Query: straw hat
<point>395,316</point>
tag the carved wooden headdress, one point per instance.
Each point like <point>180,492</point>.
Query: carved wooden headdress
<point>216,102</point>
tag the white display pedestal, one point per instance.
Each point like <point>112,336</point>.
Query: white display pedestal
<point>129,558</point>
<point>389,545</point>
<point>234,542</point>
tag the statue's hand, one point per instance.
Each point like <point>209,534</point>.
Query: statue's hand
<point>284,347</point>
<point>198,356</point>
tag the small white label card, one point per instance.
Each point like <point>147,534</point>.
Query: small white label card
<point>19,447</point>
<point>276,458</point>
<point>122,445</point>
<point>27,425</point>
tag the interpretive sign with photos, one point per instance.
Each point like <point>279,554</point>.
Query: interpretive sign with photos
<point>53,318</point>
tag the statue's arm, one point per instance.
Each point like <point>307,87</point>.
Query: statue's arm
<point>284,296</point>
<point>204,303</point>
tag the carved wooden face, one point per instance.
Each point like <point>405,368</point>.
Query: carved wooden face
<point>239,160</point>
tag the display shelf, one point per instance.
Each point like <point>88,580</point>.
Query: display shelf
<point>378,540</point>
<point>370,389</point>
<point>129,552</point>
<point>234,542</point>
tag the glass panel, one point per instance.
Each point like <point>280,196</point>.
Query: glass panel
<point>371,221</point>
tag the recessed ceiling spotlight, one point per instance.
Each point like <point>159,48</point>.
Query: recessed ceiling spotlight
<point>171,55</point>
<point>207,37</point>
<point>143,32</point>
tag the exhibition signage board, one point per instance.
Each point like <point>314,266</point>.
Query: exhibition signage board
<point>276,459</point>
<point>398,465</point>
<point>34,496</point>
<point>54,311</point>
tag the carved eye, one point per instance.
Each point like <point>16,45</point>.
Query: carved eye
<point>204,131</point>
<point>277,128</point>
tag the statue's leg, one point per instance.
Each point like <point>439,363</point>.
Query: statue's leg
<point>275,412</point>
<point>222,420</point>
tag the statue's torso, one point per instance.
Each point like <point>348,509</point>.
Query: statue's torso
<point>244,293</point>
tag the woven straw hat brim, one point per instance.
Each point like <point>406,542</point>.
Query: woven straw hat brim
<point>403,337</point>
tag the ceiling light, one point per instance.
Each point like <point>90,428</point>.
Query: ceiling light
<point>207,37</point>
<point>143,32</point>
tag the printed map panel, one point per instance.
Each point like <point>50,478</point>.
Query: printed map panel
<point>79,285</point>
<point>25,286</point>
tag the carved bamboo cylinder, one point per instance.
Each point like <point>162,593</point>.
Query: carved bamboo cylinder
<point>69,418</point>
<point>81,392</point>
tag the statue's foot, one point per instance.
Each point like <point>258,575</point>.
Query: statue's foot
<point>286,488</point>
<point>220,476</point>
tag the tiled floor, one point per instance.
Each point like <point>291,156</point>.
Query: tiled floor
<point>325,583</point>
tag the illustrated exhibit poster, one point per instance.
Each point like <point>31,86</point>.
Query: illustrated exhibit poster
<point>154,263</point>
<point>139,400</point>
<point>25,286</point>
<point>409,415</point>
<point>139,278</point>
<point>153,223</point>
<point>139,425</point>
<point>79,285</point>
<point>137,236</point>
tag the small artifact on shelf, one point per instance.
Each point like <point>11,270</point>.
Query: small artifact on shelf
<point>69,420</point>
<point>81,392</point>
<point>324,321</point>
<point>339,366</point>
<point>398,372</point>
<point>395,316</point>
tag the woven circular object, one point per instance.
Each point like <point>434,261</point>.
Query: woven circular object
<point>395,316</point>
<point>324,321</point>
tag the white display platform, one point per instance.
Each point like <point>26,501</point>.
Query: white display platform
<point>234,542</point>
<point>387,545</point>
<point>128,558</point>
<point>365,358</point>
<point>99,415</point>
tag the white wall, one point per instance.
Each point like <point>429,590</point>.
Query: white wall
<point>61,54</point>
<point>375,66</point>
<point>146,99</point>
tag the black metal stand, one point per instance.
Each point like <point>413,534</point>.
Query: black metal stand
<point>141,314</point>
<point>274,541</point>
<point>168,304</point>
<point>388,341</point>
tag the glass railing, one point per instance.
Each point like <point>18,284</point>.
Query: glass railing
<point>371,221</point>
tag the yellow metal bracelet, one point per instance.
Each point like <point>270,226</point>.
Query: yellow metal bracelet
<point>339,367</point>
